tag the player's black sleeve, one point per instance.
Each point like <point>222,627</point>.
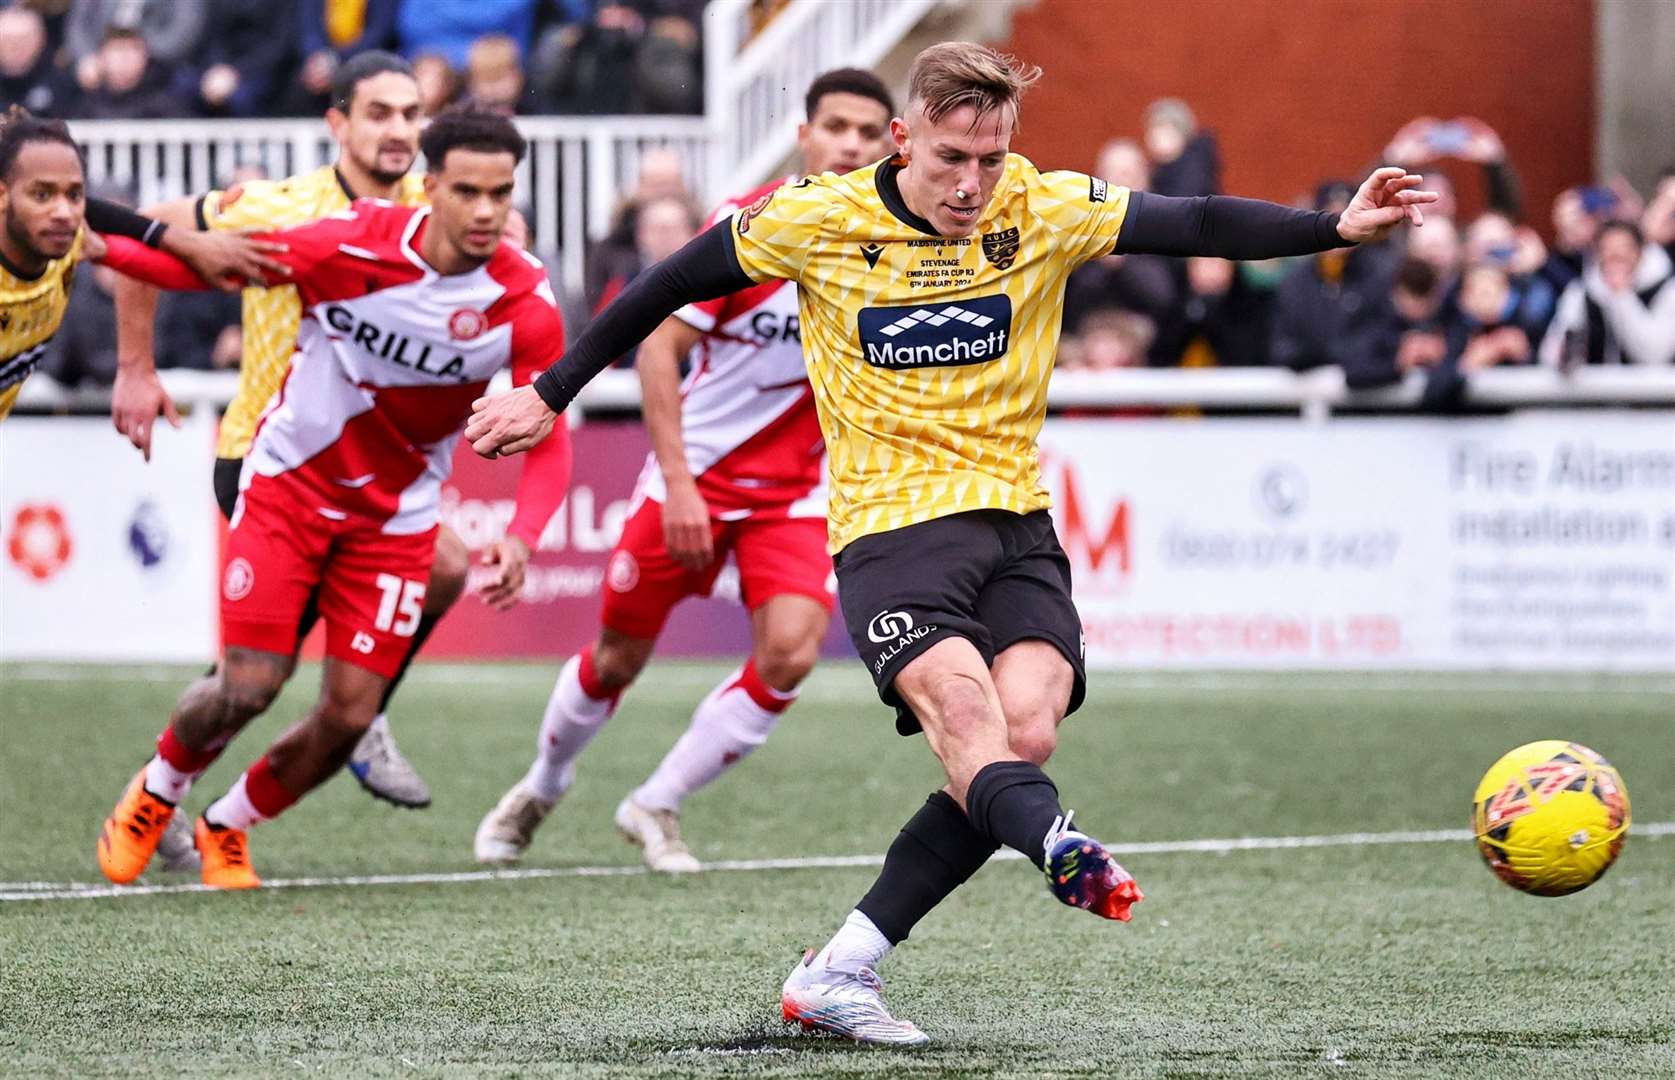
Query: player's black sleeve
<point>707,267</point>
<point>1223,226</point>
<point>114,219</point>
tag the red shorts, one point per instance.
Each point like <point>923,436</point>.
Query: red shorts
<point>777,556</point>
<point>282,549</point>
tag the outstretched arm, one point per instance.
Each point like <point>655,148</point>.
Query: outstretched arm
<point>1231,228</point>
<point>705,268</point>
<point>131,257</point>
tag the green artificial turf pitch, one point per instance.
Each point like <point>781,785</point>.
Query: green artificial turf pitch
<point>1396,959</point>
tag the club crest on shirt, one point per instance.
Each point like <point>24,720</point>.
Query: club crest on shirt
<point>1000,248</point>
<point>467,323</point>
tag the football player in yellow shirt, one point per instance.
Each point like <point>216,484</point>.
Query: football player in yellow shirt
<point>375,120</point>
<point>931,288</point>
<point>49,226</point>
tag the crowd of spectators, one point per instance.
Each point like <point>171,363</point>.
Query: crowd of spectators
<point>1447,299</point>
<point>147,59</point>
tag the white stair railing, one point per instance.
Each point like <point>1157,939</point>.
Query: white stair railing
<point>576,170</point>
<point>754,88</point>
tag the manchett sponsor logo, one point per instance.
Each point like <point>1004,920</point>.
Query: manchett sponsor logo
<point>972,331</point>
<point>887,625</point>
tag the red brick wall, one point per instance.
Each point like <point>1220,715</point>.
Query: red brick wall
<point>1297,90</point>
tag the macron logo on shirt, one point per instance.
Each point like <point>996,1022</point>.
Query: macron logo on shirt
<point>972,331</point>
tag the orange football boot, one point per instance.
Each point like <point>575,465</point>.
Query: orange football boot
<point>131,833</point>
<point>226,860</point>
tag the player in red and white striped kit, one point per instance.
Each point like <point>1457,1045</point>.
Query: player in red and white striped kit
<point>737,467</point>
<point>407,314</point>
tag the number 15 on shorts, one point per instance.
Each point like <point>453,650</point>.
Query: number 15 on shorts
<point>400,605</point>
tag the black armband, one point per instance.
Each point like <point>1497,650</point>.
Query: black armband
<point>707,267</point>
<point>115,219</point>
<point>1225,227</point>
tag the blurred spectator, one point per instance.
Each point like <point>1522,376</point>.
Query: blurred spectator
<point>1145,284</point>
<point>1487,299</point>
<point>494,74</point>
<point>330,32</point>
<point>438,82</point>
<point>1426,139</point>
<point>1413,328</point>
<point>1316,301</point>
<point>661,224</point>
<point>662,172</point>
<point>245,56</point>
<point>1185,160</point>
<point>1658,221</point>
<point>1517,251</point>
<point>1223,318</point>
<point>172,29</point>
<point>122,82</point>
<point>630,56</point>
<point>27,74</point>
<point>449,27</point>
<point>1124,163</point>
<point>1110,340</point>
<point>1621,310</point>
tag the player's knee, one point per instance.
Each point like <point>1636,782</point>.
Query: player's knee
<point>784,661</point>
<point>1034,743</point>
<point>616,663</point>
<point>447,573</point>
<point>345,716</point>
<point>247,692</point>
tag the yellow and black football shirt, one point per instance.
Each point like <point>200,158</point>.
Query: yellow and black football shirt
<point>929,355</point>
<point>273,315</point>
<point>31,310</point>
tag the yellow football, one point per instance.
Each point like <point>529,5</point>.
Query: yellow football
<point>1550,817</point>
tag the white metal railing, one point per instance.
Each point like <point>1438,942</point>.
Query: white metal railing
<point>754,87</point>
<point>1314,395</point>
<point>576,170</point>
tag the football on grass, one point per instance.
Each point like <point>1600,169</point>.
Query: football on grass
<point>1550,817</point>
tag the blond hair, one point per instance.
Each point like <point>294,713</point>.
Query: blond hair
<point>954,74</point>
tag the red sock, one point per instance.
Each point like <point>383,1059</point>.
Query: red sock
<point>760,692</point>
<point>267,794</point>
<point>184,758</point>
<point>588,676</point>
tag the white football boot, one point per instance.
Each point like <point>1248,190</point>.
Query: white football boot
<point>384,772</point>
<point>177,850</point>
<point>844,1003</point>
<point>657,832</point>
<point>505,832</point>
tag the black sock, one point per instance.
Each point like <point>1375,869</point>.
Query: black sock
<point>427,623</point>
<point>934,854</point>
<point>1013,803</point>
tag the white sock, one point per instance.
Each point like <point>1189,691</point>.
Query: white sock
<point>167,782</point>
<point>571,721</point>
<point>234,810</point>
<point>857,944</point>
<point>726,726</point>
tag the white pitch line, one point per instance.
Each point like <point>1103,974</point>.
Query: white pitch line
<point>22,891</point>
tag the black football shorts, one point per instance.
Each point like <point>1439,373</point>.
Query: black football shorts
<point>992,577</point>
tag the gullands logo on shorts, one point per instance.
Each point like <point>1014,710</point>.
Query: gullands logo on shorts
<point>951,333</point>
<point>895,630</point>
